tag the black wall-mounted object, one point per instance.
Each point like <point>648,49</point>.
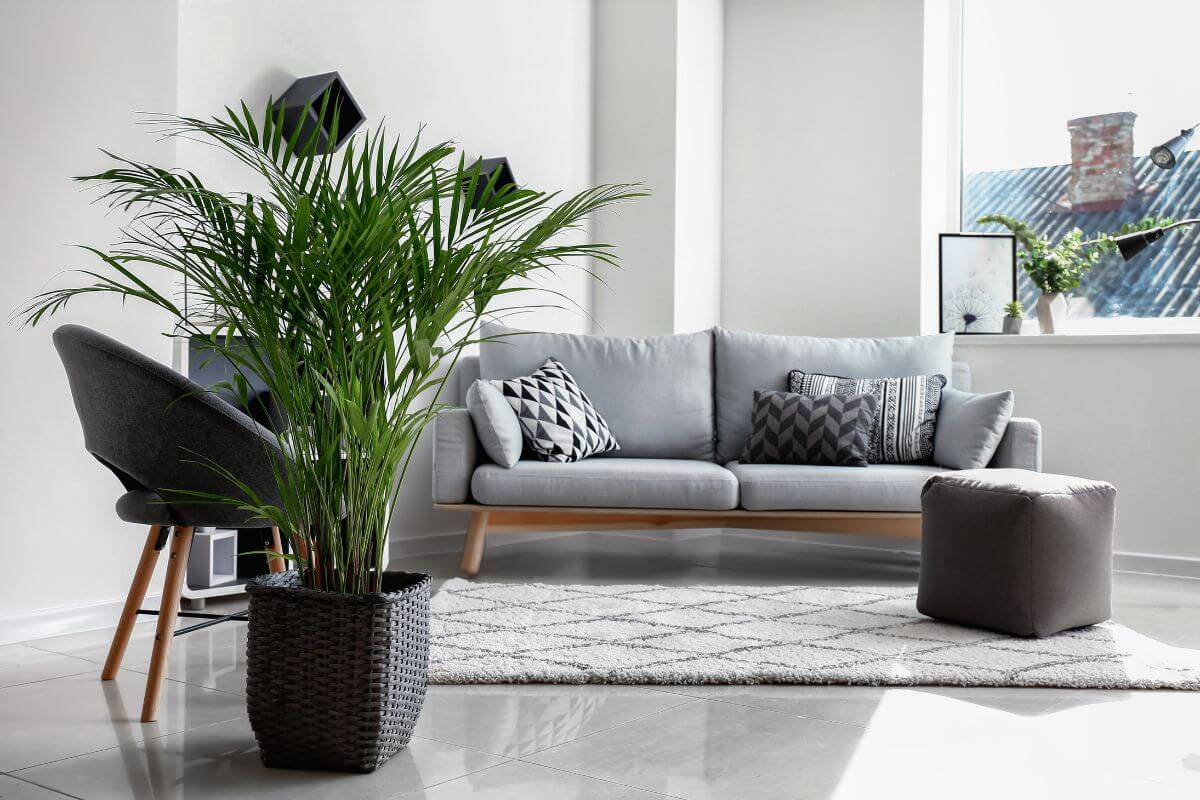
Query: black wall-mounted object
<point>488,167</point>
<point>1166,154</point>
<point>301,105</point>
<point>1131,244</point>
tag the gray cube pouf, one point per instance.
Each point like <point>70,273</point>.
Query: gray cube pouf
<point>1021,552</point>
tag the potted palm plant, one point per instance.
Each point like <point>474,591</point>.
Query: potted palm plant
<point>357,278</point>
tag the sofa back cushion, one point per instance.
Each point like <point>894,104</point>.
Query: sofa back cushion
<point>655,393</point>
<point>749,362</point>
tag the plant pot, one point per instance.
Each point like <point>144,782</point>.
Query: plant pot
<point>1052,311</point>
<point>1012,325</point>
<point>335,681</point>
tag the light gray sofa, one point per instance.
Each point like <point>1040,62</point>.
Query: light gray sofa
<point>680,408</point>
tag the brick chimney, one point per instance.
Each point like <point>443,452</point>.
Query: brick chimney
<point>1101,161</point>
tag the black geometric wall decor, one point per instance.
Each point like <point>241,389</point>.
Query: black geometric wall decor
<point>301,105</point>
<point>487,168</point>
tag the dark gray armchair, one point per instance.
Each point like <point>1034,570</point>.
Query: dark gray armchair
<point>158,432</point>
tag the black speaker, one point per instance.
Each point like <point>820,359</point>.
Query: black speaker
<point>301,105</point>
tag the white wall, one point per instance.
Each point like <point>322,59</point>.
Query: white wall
<point>658,109</point>
<point>75,75</point>
<point>822,167</point>
<point>1114,409</point>
<point>635,85</point>
<point>699,116</point>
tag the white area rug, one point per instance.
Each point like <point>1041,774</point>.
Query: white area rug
<point>539,633</point>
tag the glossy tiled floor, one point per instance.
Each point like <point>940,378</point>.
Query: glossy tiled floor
<point>64,733</point>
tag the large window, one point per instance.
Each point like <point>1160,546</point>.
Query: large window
<point>1062,102</point>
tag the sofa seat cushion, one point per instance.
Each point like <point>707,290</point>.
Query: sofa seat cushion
<point>804,487</point>
<point>608,483</point>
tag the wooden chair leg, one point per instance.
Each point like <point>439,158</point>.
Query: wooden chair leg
<point>133,601</point>
<point>472,556</point>
<point>276,564</point>
<point>181,546</point>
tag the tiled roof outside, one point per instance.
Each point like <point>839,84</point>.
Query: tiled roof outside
<point>1162,281</point>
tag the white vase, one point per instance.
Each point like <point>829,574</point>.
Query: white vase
<point>1052,311</point>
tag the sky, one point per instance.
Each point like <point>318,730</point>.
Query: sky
<point>1030,65</point>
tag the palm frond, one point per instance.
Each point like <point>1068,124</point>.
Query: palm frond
<point>358,279</point>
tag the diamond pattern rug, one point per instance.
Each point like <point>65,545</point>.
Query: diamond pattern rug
<point>541,633</point>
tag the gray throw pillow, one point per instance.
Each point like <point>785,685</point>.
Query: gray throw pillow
<point>970,427</point>
<point>826,430</point>
<point>496,424</point>
<point>904,419</point>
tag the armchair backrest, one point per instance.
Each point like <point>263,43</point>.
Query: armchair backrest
<point>157,430</point>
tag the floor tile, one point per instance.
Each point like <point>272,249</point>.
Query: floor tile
<point>222,761</point>
<point>214,657</point>
<point>622,741</point>
<point>517,779</point>
<point>850,705</point>
<point>16,789</point>
<point>93,645</point>
<point>715,750</point>
<point>519,720</point>
<point>1159,607</point>
<point>70,716</point>
<point>22,664</point>
<point>1071,748</point>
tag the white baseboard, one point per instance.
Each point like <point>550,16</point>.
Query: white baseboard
<point>1172,566</point>
<point>47,622</point>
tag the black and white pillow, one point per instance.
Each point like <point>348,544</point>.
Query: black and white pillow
<point>904,419</point>
<point>558,421</point>
<point>830,430</point>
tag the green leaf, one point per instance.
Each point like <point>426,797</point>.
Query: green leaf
<point>358,278</point>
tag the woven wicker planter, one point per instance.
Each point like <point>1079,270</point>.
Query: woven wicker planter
<point>335,681</point>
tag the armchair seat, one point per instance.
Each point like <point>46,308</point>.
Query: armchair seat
<point>144,507</point>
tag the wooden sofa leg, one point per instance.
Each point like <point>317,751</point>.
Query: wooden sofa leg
<point>133,601</point>
<point>181,546</point>
<point>476,537</point>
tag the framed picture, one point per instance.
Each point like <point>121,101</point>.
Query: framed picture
<point>977,275</point>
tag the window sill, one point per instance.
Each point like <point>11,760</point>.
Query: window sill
<point>1111,338</point>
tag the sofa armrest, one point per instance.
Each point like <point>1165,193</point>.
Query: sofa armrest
<point>455,456</point>
<point>1021,446</point>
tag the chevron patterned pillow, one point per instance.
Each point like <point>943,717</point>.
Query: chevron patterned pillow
<point>558,421</point>
<point>827,430</point>
<point>904,419</point>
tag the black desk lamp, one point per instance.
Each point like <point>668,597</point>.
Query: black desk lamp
<point>1133,243</point>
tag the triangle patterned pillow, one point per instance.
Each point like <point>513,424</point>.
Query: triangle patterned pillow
<point>558,421</point>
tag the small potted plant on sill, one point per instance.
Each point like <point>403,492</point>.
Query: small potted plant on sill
<point>1056,269</point>
<point>1014,315</point>
<point>357,278</point>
